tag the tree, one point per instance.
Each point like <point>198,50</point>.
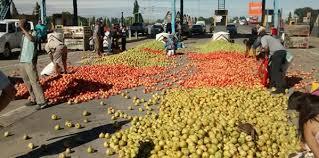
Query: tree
<point>15,12</point>
<point>201,19</point>
<point>108,22</point>
<point>302,12</point>
<point>289,17</point>
<point>92,21</point>
<point>37,10</point>
<point>159,21</point>
<point>104,21</point>
<point>136,12</point>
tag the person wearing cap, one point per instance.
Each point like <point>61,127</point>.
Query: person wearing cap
<point>277,58</point>
<point>7,91</point>
<point>57,51</point>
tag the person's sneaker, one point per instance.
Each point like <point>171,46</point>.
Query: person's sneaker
<point>42,106</point>
<point>30,103</point>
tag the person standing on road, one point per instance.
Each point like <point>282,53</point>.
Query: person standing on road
<point>123,39</point>
<point>57,51</point>
<point>41,31</point>
<point>277,55</point>
<point>8,91</point>
<point>97,37</point>
<point>28,64</point>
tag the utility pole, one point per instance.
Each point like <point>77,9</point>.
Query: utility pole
<point>122,19</point>
<point>75,13</point>
<point>263,11</point>
<point>43,11</point>
<point>173,15</point>
<point>276,14</point>
<point>182,14</point>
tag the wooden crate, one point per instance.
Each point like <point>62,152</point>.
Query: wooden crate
<point>297,30</point>
<point>297,42</point>
<point>77,32</point>
<point>77,44</point>
<point>77,37</point>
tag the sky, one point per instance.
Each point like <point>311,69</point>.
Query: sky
<point>154,9</point>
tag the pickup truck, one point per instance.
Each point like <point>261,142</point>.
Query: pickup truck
<point>10,36</point>
<point>138,27</point>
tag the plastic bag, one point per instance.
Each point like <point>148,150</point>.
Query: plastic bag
<point>263,72</point>
<point>48,70</point>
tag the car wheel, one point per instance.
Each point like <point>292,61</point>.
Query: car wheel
<point>7,51</point>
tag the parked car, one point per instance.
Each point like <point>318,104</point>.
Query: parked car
<point>139,28</point>
<point>156,29</point>
<point>197,29</point>
<point>203,23</point>
<point>10,36</point>
<point>231,29</point>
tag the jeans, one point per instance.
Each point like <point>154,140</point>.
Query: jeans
<point>277,70</point>
<point>30,77</point>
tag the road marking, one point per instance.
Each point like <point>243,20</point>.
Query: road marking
<point>12,111</point>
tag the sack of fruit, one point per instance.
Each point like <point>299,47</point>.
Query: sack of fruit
<point>263,72</point>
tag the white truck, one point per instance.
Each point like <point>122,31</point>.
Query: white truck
<point>10,36</point>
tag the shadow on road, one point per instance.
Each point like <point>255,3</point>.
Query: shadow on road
<point>198,36</point>
<point>72,141</point>
<point>292,81</point>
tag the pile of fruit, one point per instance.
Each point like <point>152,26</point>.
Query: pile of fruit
<point>145,55</point>
<point>221,70</point>
<point>300,79</point>
<point>217,122</point>
<point>91,82</point>
<point>220,46</point>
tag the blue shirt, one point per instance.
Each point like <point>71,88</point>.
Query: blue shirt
<point>41,30</point>
<point>28,51</point>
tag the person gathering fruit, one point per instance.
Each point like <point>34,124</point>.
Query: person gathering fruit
<point>28,66</point>
<point>277,54</point>
<point>308,107</point>
<point>169,46</point>
<point>57,51</point>
<point>8,91</point>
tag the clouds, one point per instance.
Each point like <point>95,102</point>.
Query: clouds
<point>154,8</point>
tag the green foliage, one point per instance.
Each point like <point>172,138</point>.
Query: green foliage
<point>138,18</point>
<point>220,46</point>
<point>302,12</point>
<point>36,10</point>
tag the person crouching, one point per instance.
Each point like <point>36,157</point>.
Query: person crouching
<point>169,46</point>
<point>57,51</point>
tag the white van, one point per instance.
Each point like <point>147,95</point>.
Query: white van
<point>10,36</point>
